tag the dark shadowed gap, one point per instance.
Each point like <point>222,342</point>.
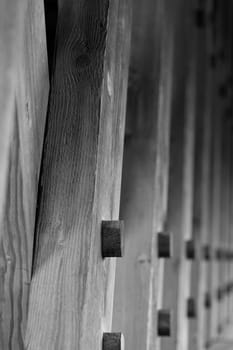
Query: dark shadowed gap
<point>51,12</point>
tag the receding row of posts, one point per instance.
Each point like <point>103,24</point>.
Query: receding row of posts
<point>189,275</point>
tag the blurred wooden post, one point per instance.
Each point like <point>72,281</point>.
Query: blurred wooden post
<point>24,91</point>
<point>216,227</point>
<point>71,294</point>
<point>202,182</point>
<point>175,284</point>
<point>145,172</point>
<point>229,214</point>
<point>230,302</point>
<point>228,116</point>
<point>210,288</point>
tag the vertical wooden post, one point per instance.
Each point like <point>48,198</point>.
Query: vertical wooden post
<point>202,182</point>
<point>216,227</point>
<point>179,211</point>
<point>23,103</point>
<point>145,172</point>
<point>211,234</point>
<point>72,287</point>
<point>230,285</point>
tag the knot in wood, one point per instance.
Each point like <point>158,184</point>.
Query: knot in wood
<point>83,61</point>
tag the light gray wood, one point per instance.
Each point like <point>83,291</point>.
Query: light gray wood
<point>145,172</point>
<point>175,284</point>
<point>216,217</point>
<point>24,91</point>
<point>72,287</point>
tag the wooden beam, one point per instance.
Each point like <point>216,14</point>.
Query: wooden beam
<point>23,101</point>
<point>216,228</point>
<point>10,26</point>
<point>72,286</point>
<point>201,190</point>
<point>145,173</point>
<point>175,284</point>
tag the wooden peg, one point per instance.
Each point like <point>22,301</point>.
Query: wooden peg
<point>226,289</point>
<point>222,55</point>
<point>208,343</point>
<point>226,254</point>
<point>219,294</point>
<point>164,245</point>
<point>200,18</point>
<point>222,91</point>
<point>190,250</point>
<point>220,328</point>
<point>213,61</point>
<point>112,239</point>
<point>206,253</point>
<point>219,254</point>
<point>191,308</point>
<point>207,300</point>
<point>113,341</point>
<point>164,323</point>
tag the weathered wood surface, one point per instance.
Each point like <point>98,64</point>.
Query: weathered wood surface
<point>10,25</point>
<point>145,171</point>
<point>230,301</point>
<point>180,195</point>
<point>24,95</point>
<point>214,186</point>
<point>71,292</point>
<point>216,227</point>
<point>199,208</point>
<point>228,223</point>
<point>203,283</point>
<point>222,315</point>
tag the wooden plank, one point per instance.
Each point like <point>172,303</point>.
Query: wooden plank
<point>213,227</point>
<point>229,228</point>
<point>72,287</point>
<point>223,273</point>
<point>25,119</point>
<point>230,302</point>
<point>206,295</point>
<point>179,212</point>
<point>145,171</point>
<point>216,216</point>
<point>217,265</point>
<point>210,235</point>
<point>223,225</point>
<point>11,14</point>
<point>201,198</point>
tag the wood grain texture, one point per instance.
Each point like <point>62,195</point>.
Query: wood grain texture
<point>145,170</point>
<point>223,233</point>
<point>217,160</point>
<point>175,283</point>
<point>113,341</point>
<point>202,187</point>
<point>11,15</point>
<point>112,239</point>
<point>72,287</point>
<point>23,148</point>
